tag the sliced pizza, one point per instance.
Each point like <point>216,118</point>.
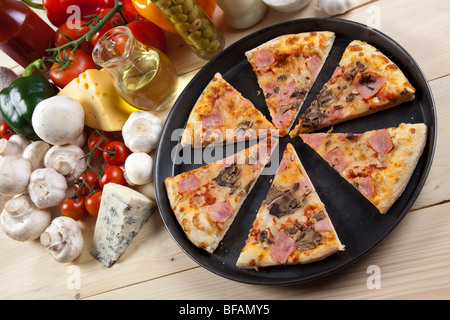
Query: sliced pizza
<point>286,68</point>
<point>379,163</point>
<point>365,81</point>
<point>223,115</point>
<point>292,225</point>
<point>207,199</point>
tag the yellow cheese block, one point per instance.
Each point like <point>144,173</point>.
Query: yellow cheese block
<point>103,107</point>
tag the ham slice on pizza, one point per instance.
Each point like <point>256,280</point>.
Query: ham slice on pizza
<point>379,163</point>
<point>365,81</point>
<point>286,68</point>
<point>292,225</point>
<point>206,200</point>
<point>223,115</point>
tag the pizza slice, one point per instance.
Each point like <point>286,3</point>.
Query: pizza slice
<point>364,82</point>
<point>207,199</point>
<point>292,225</point>
<point>222,114</point>
<point>286,68</point>
<point>379,163</point>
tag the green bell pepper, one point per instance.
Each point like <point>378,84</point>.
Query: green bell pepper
<point>18,101</point>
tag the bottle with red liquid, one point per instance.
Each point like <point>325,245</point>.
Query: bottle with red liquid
<point>24,36</point>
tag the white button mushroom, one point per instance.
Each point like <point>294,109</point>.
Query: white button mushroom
<point>68,160</point>
<point>22,221</point>
<point>47,187</point>
<point>63,239</point>
<point>35,153</point>
<point>58,120</point>
<point>141,131</point>
<point>138,169</point>
<point>15,174</point>
<point>14,146</point>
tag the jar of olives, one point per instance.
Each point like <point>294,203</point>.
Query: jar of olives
<point>193,25</point>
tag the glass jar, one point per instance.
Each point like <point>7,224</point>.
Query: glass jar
<point>143,76</point>
<point>24,36</point>
<point>244,15</point>
<point>193,25</point>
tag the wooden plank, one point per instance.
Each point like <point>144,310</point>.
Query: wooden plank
<point>409,267</point>
<point>437,185</point>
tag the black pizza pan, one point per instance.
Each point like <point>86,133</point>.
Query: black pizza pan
<point>358,223</point>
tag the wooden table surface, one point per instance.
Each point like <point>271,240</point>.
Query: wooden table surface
<point>412,262</point>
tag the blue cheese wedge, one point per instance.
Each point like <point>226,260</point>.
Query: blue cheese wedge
<point>123,211</point>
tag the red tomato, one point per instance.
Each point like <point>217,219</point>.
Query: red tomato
<point>115,153</point>
<point>112,174</point>
<point>80,61</point>
<point>95,137</point>
<point>149,34</point>
<point>74,30</point>
<point>115,21</point>
<point>129,11</point>
<point>92,203</point>
<point>5,130</point>
<point>92,182</point>
<point>74,209</point>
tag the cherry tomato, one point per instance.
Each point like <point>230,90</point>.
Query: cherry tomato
<point>112,174</point>
<point>74,30</point>
<point>80,61</point>
<point>149,34</point>
<point>151,12</point>
<point>115,153</point>
<point>5,130</point>
<point>92,203</point>
<point>115,21</point>
<point>95,137</point>
<point>74,209</point>
<point>92,183</point>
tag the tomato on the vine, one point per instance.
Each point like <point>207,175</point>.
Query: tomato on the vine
<point>112,174</point>
<point>80,61</point>
<point>149,34</point>
<point>74,208</point>
<point>74,30</point>
<point>5,130</point>
<point>92,203</point>
<point>116,20</point>
<point>115,153</point>
<point>95,137</point>
<point>92,182</point>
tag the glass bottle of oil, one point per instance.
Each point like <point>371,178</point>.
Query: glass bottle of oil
<point>143,76</point>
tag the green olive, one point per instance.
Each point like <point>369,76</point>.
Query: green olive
<point>163,4</point>
<point>214,45</point>
<point>195,36</point>
<point>195,25</point>
<point>182,28</point>
<point>176,10</point>
<point>188,6</point>
<point>202,44</point>
<point>180,18</point>
<point>208,32</point>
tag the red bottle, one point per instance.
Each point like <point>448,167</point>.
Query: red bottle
<point>24,36</point>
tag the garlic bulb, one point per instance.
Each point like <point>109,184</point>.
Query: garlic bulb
<point>47,187</point>
<point>334,7</point>
<point>63,239</point>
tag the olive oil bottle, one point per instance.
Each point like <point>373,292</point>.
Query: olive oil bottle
<point>143,76</point>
